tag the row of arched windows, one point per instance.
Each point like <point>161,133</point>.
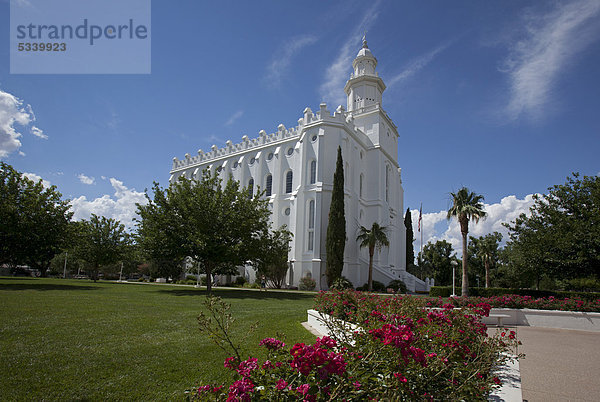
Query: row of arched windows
<point>289,178</point>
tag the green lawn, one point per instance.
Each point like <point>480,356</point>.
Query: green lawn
<point>75,339</point>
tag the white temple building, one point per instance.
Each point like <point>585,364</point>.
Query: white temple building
<point>295,167</point>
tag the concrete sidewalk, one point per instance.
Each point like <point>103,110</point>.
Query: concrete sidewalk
<point>560,364</point>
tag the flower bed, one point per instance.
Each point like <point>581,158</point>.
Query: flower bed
<point>398,351</point>
<point>520,302</point>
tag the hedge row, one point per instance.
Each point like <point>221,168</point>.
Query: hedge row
<point>446,291</point>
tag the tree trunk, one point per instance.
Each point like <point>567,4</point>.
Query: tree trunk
<point>465,276</point>
<point>208,278</point>
<point>371,252</point>
<point>95,273</point>
<point>487,273</point>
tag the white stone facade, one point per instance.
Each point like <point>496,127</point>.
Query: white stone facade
<point>296,165</point>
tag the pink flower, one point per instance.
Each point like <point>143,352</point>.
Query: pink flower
<point>303,389</point>
<point>400,377</point>
<point>356,384</point>
<point>239,390</point>
<point>272,343</point>
<point>230,362</point>
<point>281,384</point>
<point>247,367</point>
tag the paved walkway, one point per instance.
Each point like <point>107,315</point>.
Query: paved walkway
<point>560,364</point>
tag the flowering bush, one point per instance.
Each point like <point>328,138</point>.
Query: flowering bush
<point>397,350</point>
<point>517,301</point>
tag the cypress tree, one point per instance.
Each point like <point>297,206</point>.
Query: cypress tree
<point>410,238</point>
<point>336,228</point>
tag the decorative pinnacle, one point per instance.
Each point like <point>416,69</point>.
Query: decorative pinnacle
<point>364,40</point>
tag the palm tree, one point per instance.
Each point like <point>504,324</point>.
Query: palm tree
<point>488,252</point>
<point>466,205</point>
<point>374,238</point>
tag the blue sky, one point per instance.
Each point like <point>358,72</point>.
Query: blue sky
<point>499,96</point>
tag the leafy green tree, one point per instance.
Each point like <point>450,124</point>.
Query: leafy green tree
<point>272,261</point>
<point>436,261</point>
<point>486,251</point>
<point>34,220</point>
<point>218,226</point>
<point>560,238</point>
<point>374,238</point>
<point>159,236</point>
<point>101,241</point>
<point>410,238</point>
<point>466,205</point>
<point>336,228</point>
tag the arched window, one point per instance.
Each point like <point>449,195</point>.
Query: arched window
<point>387,183</point>
<point>288,182</point>
<point>250,188</point>
<point>313,172</point>
<point>311,225</point>
<point>360,185</point>
<point>269,186</point>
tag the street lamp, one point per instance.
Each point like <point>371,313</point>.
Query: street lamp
<point>454,265</point>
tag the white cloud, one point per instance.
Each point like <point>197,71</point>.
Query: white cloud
<point>417,64</point>
<point>234,117</point>
<point>38,133</point>
<point>552,42</point>
<point>13,112</point>
<point>34,177</point>
<point>336,75</point>
<point>85,179</point>
<point>436,227</point>
<point>282,59</point>
<point>121,206</point>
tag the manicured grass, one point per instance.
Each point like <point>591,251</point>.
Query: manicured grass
<point>75,339</point>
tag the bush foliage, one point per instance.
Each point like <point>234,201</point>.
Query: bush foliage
<point>446,291</point>
<point>398,350</point>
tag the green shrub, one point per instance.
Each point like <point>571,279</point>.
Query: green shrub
<point>240,281</point>
<point>584,284</point>
<point>190,278</point>
<point>249,285</point>
<point>398,286</point>
<point>377,287</point>
<point>446,291</point>
<point>342,283</point>
<point>307,283</point>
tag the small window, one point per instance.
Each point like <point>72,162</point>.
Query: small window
<point>361,154</point>
<point>219,169</point>
<point>313,172</point>
<point>288,182</point>
<point>311,225</point>
<point>287,212</point>
<point>270,156</point>
<point>250,188</point>
<point>360,185</point>
<point>269,185</point>
<point>387,183</point>
<point>290,151</point>
<point>252,160</point>
<point>314,138</point>
<point>235,164</point>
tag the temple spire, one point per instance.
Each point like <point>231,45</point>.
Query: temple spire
<point>364,41</point>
